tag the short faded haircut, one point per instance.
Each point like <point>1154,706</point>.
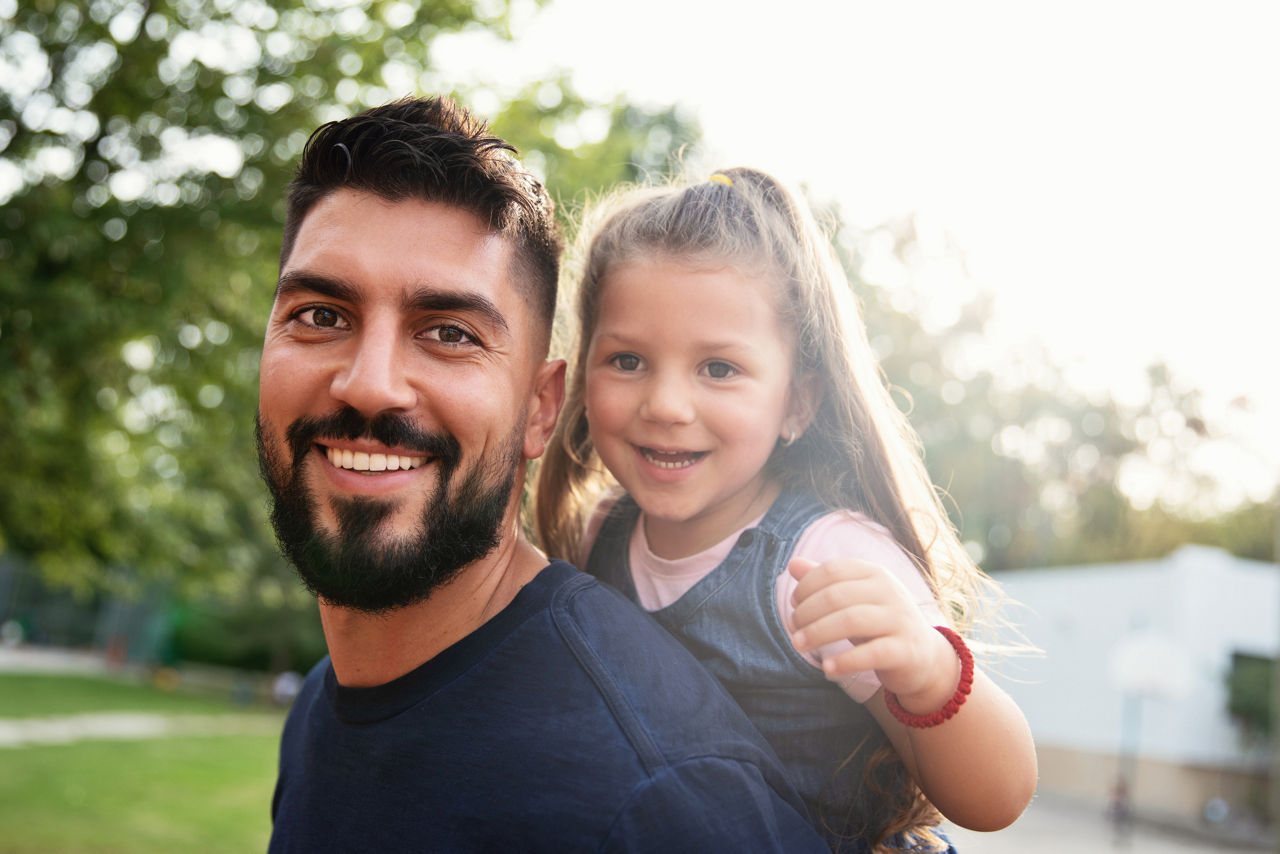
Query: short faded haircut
<point>434,150</point>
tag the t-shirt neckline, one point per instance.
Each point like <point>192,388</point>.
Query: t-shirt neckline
<point>379,702</point>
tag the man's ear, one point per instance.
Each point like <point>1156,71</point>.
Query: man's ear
<point>805,398</point>
<point>545,399</point>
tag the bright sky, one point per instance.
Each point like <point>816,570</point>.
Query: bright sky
<point>1111,170</point>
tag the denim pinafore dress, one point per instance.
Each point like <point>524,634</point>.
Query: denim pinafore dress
<point>729,621</point>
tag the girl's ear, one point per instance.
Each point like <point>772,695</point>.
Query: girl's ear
<point>806,397</point>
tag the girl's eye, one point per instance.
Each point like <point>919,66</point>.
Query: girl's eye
<point>320,317</point>
<point>720,370</point>
<point>448,333</point>
<point>626,362</point>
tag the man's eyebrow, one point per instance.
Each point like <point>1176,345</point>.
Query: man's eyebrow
<point>432,299</point>
<point>422,299</point>
<point>300,281</point>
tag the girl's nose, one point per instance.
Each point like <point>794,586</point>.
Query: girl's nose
<point>669,401</point>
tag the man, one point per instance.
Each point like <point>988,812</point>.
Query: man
<point>475,698</point>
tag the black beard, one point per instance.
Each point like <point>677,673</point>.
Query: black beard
<point>353,568</point>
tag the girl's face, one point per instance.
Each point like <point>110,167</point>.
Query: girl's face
<point>688,389</point>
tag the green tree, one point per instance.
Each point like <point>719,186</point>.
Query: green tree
<point>580,146</point>
<point>1032,468</point>
<point>146,149</point>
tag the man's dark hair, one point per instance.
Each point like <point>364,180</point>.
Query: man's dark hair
<point>434,150</point>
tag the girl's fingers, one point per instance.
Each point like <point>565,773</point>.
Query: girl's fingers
<point>841,595</point>
<point>828,600</point>
<point>853,624</point>
<point>799,567</point>
<point>813,578</point>
<point>876,654</point>
<point>858,625</point>
<point>902,665</point>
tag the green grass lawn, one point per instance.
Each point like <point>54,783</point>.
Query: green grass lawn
<point>32,694</point>
<point>179,793</point>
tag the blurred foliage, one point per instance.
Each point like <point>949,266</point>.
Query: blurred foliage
<point>581,147</point>
<point>146,150</point>
<point>1034,470</point>
<point>247,636</point>
<point>1249,695</point>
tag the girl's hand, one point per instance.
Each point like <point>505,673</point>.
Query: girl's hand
<point>978,768</point>
<point>864,603</point>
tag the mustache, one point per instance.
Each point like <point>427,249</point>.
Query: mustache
<point>396,431</point>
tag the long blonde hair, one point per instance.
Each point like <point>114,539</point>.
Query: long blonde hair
<point>859,452</point>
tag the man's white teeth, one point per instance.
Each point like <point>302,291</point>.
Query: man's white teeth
<point>360,461</point>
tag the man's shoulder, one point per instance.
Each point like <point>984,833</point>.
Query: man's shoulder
<point>668,705</point>
<point>309,693</point>
<point>632,744</point>
<point>604,629</point>
<point>703,777</point>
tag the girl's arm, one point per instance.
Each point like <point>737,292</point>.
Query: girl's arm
<point>979,767</point>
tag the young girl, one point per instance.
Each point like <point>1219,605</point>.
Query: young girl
<point>775,513</point>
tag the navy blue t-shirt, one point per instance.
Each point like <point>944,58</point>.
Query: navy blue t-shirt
<point>568,722</point>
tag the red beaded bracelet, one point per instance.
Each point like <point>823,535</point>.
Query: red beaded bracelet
<point>957,699</point>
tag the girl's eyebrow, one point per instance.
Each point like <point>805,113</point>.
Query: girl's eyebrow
<point>637,340</point>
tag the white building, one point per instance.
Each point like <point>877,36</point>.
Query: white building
<point>1136,661</point>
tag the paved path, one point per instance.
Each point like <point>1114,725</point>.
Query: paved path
<point>108,726</point>
<point>128,726</point>
<point>1056,827</point>
<point>35,659</point>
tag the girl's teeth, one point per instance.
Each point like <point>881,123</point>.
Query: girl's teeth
<point>360,461</point>
<point>671,459</point>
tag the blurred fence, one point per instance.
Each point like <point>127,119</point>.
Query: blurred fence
<point>137,631</point>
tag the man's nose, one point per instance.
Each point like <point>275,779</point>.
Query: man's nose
<point>377,377</point>
<point>669,400</point>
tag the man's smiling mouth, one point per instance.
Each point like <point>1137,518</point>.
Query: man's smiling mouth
<point>360,461</point>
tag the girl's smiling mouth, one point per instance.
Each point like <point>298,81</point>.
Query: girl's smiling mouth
<point>670,459</point>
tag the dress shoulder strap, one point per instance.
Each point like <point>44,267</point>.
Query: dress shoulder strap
<point>609,559</point>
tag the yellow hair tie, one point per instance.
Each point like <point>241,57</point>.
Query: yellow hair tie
<point>721,178</point>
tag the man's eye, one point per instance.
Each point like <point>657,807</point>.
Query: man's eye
<point>447,333</point>
<point>320,317</point>
<point>626,362</point>
<point>720,370</point>
<point>325,317</point>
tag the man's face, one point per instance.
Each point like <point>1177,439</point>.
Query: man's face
<point>401,391</point>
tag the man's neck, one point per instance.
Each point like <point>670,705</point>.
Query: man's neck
<point>373,649</point>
